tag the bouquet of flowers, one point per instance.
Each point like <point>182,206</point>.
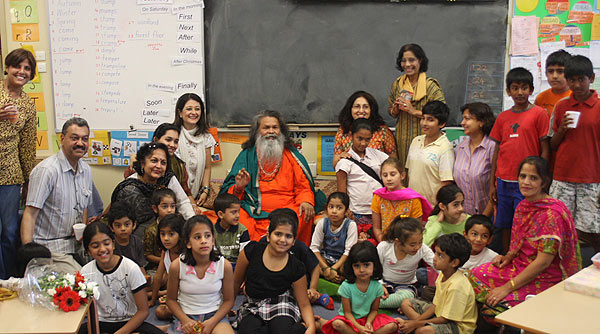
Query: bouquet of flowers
<point>68,291</point>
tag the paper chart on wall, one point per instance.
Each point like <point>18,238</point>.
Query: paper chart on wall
<point>524,35</point>
<point>124,145</point>
<point>112,60</point>
<point>99,149</point>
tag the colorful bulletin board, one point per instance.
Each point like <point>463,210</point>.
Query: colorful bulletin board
<point>540,27</point>
<point>325,152</point>
<point>98,152</point>
<point>124,145</point>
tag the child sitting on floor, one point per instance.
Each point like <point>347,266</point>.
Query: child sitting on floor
<point>122,223</point>
<point>400,254</point>
<point>448,216</point>
<point>395,200</point>
<point>478,231</point>
<point>333,237</point>
<point>163,203</point>
<point>361,293</point>
<point>453,309</point>
<point>171,241</point>
<point>231,236</point>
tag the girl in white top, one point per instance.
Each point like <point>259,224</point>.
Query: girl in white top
<point>122,303</point>
<point>195,144</point>
<point>400,253</point>
<point>200,288</point>
<point>352,179</point>
<point>169,234</point>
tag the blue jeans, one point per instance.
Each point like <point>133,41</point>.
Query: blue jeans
<point>9,210</point>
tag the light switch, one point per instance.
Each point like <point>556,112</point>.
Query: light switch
<point>41,67</point>
<point>40,55</point>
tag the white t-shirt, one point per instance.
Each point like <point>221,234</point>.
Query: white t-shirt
<point>485,256</point>
<point>201,296</point>
<point>405,270</point>
<point>316,242</point>
<point>116,302</point>
<point>428,166</point>
<point>359,185</point>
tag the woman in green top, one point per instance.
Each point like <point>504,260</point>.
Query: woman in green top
<point>448,216</point>
<point>409,94</point>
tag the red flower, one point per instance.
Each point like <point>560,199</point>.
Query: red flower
<point>70,301</point>
<point>79,278</point>
<point>58,295</point>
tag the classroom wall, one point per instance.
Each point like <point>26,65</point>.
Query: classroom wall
<point>106,177</point>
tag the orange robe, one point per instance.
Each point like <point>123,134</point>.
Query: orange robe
<point>288,189</point>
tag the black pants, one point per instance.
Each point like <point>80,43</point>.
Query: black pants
<point>111,327</point>
<point>252,324</point>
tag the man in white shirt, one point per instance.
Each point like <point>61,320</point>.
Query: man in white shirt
<point>60,190</point>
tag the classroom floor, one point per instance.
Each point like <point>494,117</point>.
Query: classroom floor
<point>317,309</point>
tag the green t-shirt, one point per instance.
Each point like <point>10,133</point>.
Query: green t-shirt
<point>360,301</point>
<point>435,228</point>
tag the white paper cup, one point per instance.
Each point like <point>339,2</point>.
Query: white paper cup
<point>78,229</point>
<point>574,115</point>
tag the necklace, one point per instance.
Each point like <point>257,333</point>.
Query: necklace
<point>268,176</point>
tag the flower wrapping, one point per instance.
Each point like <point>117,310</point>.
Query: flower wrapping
<point>43,286</point>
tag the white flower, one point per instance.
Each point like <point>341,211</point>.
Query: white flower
<point>70,278</point>
<point>82,294</point>
<point>51,278</point>
<point>51,292</point>
<point>81,285</point>
<point>96,292</point>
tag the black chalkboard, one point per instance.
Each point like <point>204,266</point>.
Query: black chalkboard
<point>305,58</point>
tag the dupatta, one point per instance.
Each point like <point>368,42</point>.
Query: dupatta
<point>543,219</point>
<point>404,195</point>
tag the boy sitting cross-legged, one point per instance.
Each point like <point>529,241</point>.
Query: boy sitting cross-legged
<point>453,309</point>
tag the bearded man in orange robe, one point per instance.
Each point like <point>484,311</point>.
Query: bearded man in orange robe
<point>270,174</point>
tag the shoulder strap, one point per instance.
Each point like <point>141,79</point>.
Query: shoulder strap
<point>367,170</point>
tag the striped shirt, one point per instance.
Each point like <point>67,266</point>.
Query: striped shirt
<point>61,194</point>
<point>472,173</point>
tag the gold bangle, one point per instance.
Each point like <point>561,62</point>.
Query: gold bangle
<point>512,283</point>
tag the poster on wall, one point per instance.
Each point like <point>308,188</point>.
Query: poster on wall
<point>124,145</point>
<point>325,144</point>
<point>561,24</point>
<point>98,151</point>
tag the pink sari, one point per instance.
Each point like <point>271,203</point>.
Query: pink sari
<point>533,224</point>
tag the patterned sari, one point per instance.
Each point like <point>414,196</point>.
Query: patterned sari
<point>542,226</point>
<point>407,126</point>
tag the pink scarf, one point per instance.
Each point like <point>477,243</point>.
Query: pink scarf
<point>404,195</point>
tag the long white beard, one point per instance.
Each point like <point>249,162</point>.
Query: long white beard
<point>269,150</point>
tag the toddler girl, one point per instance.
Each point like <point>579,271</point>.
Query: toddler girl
<point>448,215</point>
<point>169,236</point>
<point>200,288</point>
<point>122,305</point>
<point>361,293</point>
<point>275,282</point>
<point>333,237</point>
<point>395,199</point>
<point>400,254</point>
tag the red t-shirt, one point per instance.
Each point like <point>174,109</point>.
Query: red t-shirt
<point>547,100</point>
<point>519,135</point>
<point>578,155</point>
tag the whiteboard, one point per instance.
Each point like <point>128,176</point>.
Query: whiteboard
<point>122,64</point>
